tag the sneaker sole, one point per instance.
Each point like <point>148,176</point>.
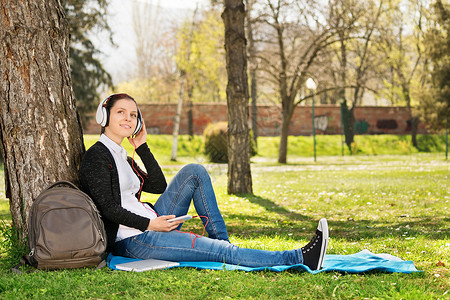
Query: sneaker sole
<point>323,227</point>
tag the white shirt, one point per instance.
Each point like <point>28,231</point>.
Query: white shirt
<point>129,186</point>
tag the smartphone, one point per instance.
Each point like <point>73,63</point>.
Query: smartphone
<point>184,218</point>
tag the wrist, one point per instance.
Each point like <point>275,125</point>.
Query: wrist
<point>138,144</point>
<point>140,147</point>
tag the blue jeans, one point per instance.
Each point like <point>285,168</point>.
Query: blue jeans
<point>193,184</point>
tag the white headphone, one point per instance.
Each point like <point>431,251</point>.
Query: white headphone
<point>102,115</point>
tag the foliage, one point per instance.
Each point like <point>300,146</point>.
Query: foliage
<point>201,57</point>
<point>331,145</point>
<point>432,143</point>
<point>196,51</point>
<point>359,56</point>
<point>216,142</point>
<point>386,204</point>
<point>151,90</point>
<point>436,92</point>
<point>404,64</point>
<point>152,45</point>
<point>86,17</point>
<point>155,75</point>
<point>11,249</point>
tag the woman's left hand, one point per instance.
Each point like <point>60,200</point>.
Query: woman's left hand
<point>140,138</point>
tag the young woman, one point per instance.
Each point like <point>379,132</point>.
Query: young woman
<point>142,230</point>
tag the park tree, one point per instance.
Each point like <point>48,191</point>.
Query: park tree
<point>344,15</point>
<point>239,172</point>
<point>153,77</point>
<point>253,68</point>
<point>85,18</point>
<point>148,26</point>
<point>359,59</point>
<point>41,137</point>
<point>193,45</point>
<point>176,123</point>
<point>201,55</point>
<point>403,41</point>
<point>435,93</point>
<point>291,37</point>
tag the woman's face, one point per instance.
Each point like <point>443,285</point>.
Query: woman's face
<point>122,120</point>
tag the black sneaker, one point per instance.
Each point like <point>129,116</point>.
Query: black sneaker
<point>314,251</point>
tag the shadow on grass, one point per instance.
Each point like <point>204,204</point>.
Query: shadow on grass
<point>301,226</point>
<point>271,206</point>
<point>297,226</point>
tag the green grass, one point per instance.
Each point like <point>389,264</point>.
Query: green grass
<point>298,146</point>
<point>327,145</point>
<point>396,204</point>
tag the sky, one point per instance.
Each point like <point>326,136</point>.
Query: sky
<point>119,61</point>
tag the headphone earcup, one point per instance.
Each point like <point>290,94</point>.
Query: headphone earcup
<point>102,114</point>
<point>139,123</point>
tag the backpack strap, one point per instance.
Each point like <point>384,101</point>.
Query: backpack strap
<point>101,265</point>
<point>24,261</point>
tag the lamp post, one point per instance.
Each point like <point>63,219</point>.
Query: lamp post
<point>311,85</point>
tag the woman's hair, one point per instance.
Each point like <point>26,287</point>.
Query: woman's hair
<point>111,100</point>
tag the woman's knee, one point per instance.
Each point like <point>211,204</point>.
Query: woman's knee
<point>195,169</point>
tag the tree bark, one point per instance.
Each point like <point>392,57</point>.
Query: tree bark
<point>254,97</point>
<point>413,119</point>
<point>176,122</point>
<point>414,126</point>
<point>41,137</point>
<point>190,106</point>
<point>253,69</point>
<point>239,144</point>
<point>348,121</point>
<point>286,105</point>
<point>287,113</point>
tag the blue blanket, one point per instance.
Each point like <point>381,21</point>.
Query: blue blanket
<point>360,262</point>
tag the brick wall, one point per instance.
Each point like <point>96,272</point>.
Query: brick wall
<point>369,119</point>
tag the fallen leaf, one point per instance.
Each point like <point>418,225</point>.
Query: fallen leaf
<point>440,264</point>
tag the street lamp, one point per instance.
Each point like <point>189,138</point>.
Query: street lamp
<point>311,85</point>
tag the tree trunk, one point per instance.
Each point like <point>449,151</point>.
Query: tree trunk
<point>341,94</point>
<point>348,120</point>
<point>190,118</point>
<point>287,107</point>
<point>343,69</point>
<point>253,68</point>
<point>41,137</point>
<point>239,144</point>
<point>414,126</point>
<point>413,119</point>
<point>282,150</point>
<point>254,107</point>
<point>176,122</point>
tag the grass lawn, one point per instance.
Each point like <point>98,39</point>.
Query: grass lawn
<point>396,204</point>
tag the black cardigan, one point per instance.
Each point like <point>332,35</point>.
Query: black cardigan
<point>100,180</point>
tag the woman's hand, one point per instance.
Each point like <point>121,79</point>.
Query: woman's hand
<point>161,224</point>
<point>140,138</point>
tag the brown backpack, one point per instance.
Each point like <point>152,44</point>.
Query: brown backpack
<point>65,229</point>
